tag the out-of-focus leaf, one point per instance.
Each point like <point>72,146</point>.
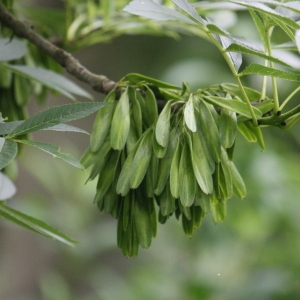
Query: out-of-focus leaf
<point>56,115</point>
<point>34,224</point>
<point>8,150</point>
<point>50,79</point>
<point>189,9</point>
<point>54,150</point>
<point>10,50</point>
<point>137,78</point>
<point>297,38</point>
<point>155,11</point>
<point>255,5</point>
<point>7,187</point>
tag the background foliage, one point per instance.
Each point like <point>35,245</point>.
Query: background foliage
<point>254,254</point>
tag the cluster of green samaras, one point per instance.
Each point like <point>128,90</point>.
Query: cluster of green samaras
<point>178,160</point>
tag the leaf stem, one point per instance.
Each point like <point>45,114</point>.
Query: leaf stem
<point>274,83</point>
<point>235,74</point>
<point>289,97</point>
<point>277,120</point>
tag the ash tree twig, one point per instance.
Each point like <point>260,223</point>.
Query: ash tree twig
<point>100,83</point>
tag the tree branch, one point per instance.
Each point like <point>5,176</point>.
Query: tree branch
<point>100,83</point>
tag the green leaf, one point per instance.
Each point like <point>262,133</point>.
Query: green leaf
<point>34,224</point>
<point>257,69</point>
<point>123,184</point>
<point>120,124</point>
<point>56,115</point>
<point>101,126</point>
<point>8,127</point>
<point>54,150</point>
<point>162,129</point>
<point>12,49</point>
<point>187,182</point>
<point>189,115</point>
<point>154,11</point>
<point>227,127</point>
<point>248,134</point>
<point>189,9</point>
<point>201,165</point>
<point>269,12</point>
<point>239,187</point>
<point>260,27</point>
<point>7,187</point>
<point>235,57</point>
<point>141,159</point>
<point>207,127</point>
<point>8,151</point>
<point>50,79</point>
<point>66,128</point>
<point>246,50</point>
<point>164,165</point>
<point>138,78</point>
<point>233,105</point>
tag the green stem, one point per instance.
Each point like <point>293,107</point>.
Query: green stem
<point>289,97</point>
<point>235,74</point>
<point>277,120</point>
<point>274,83</point>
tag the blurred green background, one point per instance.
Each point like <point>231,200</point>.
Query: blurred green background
<point>254,254</point>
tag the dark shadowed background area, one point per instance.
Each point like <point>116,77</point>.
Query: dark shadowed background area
<point>254,254</point>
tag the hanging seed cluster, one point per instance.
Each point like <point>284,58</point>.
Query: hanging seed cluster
<point>151,165</point>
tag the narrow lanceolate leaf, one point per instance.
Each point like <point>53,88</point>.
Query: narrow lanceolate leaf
<point>56,115</point>
<point>164,166</point>
<point>34,224</point>
<point>142,221</point>
<point>154,11</point>
<point>8,151</point>
<point>151,113</point>
<point>50,79</point>
<point>257,131</point>
<point>201,165</point>
<point>227,127</point>
<point>136,116</point>
<point>162,129</point>
<point>141,160</point>
<point>233,105</point>
<point>189,9</point>
<point>105,180</point>
<point>54,150</point>
<point>189,115</point>
<point>66,128</point>
<point>225,177</point>
<point>101,126</point>
<point>120,123</point>
<point>123,184</point>
<point>239,188</point>
<point>247,132</point>
<point>257,69</point>
<point>208,129</point>
<point>174,172</point>
<point>187,181</point>
<point>7,187</point>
